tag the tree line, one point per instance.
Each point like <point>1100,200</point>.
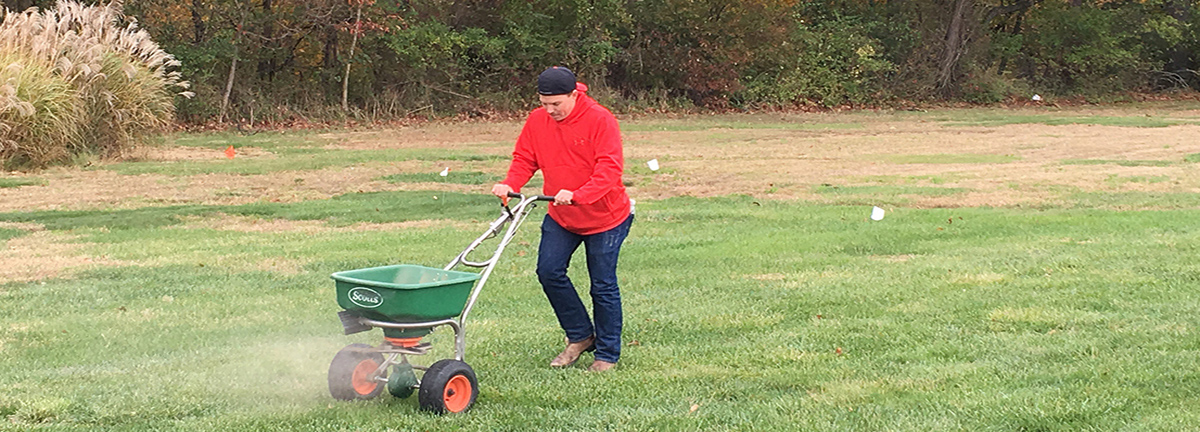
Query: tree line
<point>276,60</point>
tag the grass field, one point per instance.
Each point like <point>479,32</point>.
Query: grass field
<point>1035,271</point>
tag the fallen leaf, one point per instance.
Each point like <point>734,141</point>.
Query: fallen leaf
<point>694,408</point>
<point>839,351</point>
<point>635,342</point>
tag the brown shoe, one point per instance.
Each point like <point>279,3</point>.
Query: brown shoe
<point>601,366</point>
<point>571,353</point>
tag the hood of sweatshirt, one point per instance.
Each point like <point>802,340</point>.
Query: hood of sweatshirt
<point>583,103</point>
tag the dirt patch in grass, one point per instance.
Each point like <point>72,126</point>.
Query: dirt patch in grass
<point>1005,166</point>
<point>225,222</point>
<point>497,136</point>
<point>43,255</point>
<point>76,190</point>
<point>186,153</point>
<point>106,189</point>
<point>787,164</point>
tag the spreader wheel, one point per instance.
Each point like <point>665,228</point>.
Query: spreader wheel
<point>448,386</point>
<point>352,373</point>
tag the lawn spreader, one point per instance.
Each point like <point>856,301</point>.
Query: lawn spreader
<point>408,302</point>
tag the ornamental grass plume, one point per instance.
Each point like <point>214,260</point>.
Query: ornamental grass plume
<point>74,82</point>
<point>39,113</point>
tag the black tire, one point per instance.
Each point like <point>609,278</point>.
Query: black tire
<point>350,373</point>
<point>443,385</point>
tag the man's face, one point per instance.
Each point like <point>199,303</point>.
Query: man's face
<point>559,106</point>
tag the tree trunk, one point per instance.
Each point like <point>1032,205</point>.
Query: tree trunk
<point>267,66</point>
<point>232,70</point>
<point>330,53</point>
<point>955,43</point>
<point>350,59</point>
<point>229,85</point>
<point>198,28</point>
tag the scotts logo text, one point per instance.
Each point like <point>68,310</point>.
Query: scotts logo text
<point>365,297</point>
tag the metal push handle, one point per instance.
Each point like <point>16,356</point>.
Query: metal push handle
<point>516,215</point>
<point>535,197</point>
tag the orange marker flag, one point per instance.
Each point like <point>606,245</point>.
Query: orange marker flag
<point>229,152</point>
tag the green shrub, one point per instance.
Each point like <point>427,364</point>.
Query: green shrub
<point>76,82</point>
<point>986,86</point>
<point>1081,50</point>
<point>828,64</point>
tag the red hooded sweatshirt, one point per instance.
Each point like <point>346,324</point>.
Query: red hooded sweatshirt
<point>582,153</point>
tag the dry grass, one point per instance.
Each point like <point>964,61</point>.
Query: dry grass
<point>43,255</point>
<point>787,164</point>
<point>177,154</point>
<point>1028,169</point>
<point>225,222</point>
<point>496,138</point>
<point>48,254</point>
<point>76,190</point>
<point>79,79</point>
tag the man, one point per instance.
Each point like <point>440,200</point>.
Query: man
<point>577,144</point>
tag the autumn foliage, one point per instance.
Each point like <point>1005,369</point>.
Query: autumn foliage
<point>255,61</point>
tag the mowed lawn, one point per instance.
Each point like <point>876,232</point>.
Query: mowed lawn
<point>775,303</point>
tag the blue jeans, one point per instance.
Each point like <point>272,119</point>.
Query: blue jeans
<point>554,255</point>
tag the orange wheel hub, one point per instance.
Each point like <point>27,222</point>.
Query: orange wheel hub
<point>457,394</point>
<point>362,380</point>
